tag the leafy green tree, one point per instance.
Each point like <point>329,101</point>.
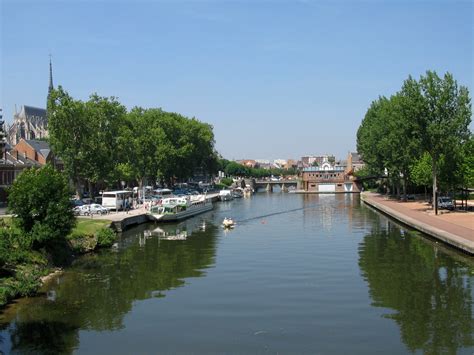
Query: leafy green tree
<point>236,169</point>
<point>105,118</point>
<point>467,166</point>
<point>69,132</point>
<point>39,199</point>
<point>222,163</point>
<point>142,145</point>
<point>430,115</point>
<point>369,135</point>
<point>420,171</point>
<point>443,119</point>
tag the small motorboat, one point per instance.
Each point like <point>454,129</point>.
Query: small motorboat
<point>228,223</point>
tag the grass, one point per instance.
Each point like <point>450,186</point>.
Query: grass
<point>6,220</point>
<point>83,226</point>
<point>88,227</point>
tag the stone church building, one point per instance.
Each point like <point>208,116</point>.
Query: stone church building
<point>31,122</point>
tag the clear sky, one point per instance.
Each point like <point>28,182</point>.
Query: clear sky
<point>276,79</point>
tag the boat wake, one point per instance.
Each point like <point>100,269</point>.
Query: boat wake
<point>275,214</point>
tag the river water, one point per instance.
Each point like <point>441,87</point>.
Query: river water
<point>319,274</point>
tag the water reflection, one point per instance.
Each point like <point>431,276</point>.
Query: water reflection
<point>100,289</point>
<point>430,292</point>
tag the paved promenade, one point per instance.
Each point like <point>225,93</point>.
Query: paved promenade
<point>453,228</point>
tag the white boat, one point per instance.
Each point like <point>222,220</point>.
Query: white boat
<point>248,191</point>
<point>238,192</point>
<point>225,195</point>
<point>228,223</point>
<point>178,208</point>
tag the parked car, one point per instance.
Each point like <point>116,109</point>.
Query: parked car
<point>445,203</point>
<point>87,210</point>
<point>94,208</point>
<point>81,210</point>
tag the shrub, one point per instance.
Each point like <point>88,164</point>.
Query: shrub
<point>14,247</point>
<point>24,283</point>
<point>105,237</point>
<point>227,181</point>
<point>40,200</point>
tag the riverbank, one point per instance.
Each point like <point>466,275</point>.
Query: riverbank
<point>24,269</point>
<point>452,228</point>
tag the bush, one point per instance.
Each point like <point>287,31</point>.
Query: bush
<point>221,186</point>
<point>14,247</point>
<point>105,237</point>
<point>25,283</point>
<point>40,200</point>
<point>227,181</point>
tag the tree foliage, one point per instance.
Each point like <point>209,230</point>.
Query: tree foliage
<point>39,199</point>
<point>424,125</point>
<point>100,143</point>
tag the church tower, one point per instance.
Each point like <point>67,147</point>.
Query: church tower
<point>50,87</point>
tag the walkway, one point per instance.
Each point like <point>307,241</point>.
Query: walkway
<point>453,228</point>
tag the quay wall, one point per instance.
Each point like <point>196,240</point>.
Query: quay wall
<point>445,236</point>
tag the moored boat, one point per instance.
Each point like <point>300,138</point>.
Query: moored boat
<point>178,208</point>
<point>238,192</point>
<point>225,195</point>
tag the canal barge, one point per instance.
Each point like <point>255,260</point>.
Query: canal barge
<point>178,208</point>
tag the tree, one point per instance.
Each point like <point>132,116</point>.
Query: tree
<point>369,135</point>
<point>467,165</point>
<point>236,169</point>
<point>105,116</point>
<point>430,115</point>
<point>142,145</point>
<point>401,141</point>
<point>420,171</point>
<point>443,119</point>
<point>69,132</point>
<point>39,198</point>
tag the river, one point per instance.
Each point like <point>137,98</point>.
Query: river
<point>319,274</point>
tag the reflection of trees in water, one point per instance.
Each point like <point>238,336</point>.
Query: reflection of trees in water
<point>430,291</point>
<point>44,337</point>
<point>102,287</point>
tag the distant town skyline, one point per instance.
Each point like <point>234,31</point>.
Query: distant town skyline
<point>277,80</point>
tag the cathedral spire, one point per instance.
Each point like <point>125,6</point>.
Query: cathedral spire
<point>51,87</point>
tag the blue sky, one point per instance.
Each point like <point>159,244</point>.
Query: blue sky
<point>276,79</point>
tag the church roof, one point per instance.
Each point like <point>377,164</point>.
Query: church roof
<point>30,111</point>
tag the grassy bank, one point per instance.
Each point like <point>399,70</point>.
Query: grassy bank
<point>22,266</point>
